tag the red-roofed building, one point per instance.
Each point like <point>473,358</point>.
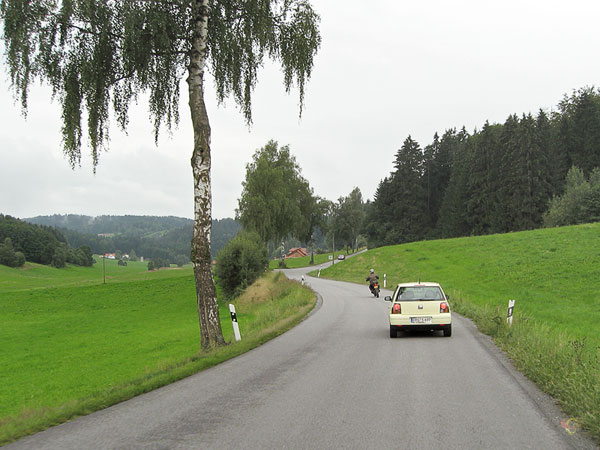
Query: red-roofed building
<point>296,253</point>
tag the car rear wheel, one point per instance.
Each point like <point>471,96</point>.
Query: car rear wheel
<point>448,331</point>
<point>393,332</point>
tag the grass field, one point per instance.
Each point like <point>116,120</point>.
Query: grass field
<point>33,276</point>
<point>554,276</point>
<point>80,345</point>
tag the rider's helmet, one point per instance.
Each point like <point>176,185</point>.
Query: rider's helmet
<point>372,270</point>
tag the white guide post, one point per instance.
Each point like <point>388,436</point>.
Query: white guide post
<point>509,314</point>
<point>236,327</point>
<point>302,280</point>
<point>384,280</point>
<point>319,275</point>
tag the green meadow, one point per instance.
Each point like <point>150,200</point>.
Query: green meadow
<point>554,276</point>
<point>72,344</point>
<point>36,276</point>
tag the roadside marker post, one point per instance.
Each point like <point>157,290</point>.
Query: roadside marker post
<point>236,327</point>
<point>509,314</point>
<point>302,280</point>
<point>319,275</point>
<point>384,280</point>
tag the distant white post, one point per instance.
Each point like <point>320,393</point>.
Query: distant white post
<point>319,274</point>
<point>509,314</point>
<point>302,280</point>
<point>384,280</point>
<point>236,327</point>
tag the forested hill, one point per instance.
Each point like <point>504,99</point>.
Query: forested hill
<point>21,241</point>
<point>531,171</point>
<point>148,236</point>
<point>139,226</point>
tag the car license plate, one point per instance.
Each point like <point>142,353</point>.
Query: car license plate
<point>420,320</point>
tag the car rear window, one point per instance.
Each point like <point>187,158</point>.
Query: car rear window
<point>409,293</point>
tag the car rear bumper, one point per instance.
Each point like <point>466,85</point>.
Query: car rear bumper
<point>421,326</point>
<point>437,320</point>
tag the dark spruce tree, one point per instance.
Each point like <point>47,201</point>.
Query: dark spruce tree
<point>408,212</point>
<point>453,211</point>
<point>553,156</point>
<point>437,170</point>
<point>526,188</point>
<point>378,222</point>
<point>583,112</point>
<point>483,182</point>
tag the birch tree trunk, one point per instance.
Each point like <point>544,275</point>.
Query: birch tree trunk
<point>206,296</point>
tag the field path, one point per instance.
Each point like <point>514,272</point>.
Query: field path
<point>336,381</point>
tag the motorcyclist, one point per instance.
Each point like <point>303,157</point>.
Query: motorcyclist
<point>372,278</point>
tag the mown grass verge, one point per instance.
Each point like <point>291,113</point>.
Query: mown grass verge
<point>69,351</point>
<point>553,275</point>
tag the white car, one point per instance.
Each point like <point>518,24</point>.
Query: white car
<point>419,306</point>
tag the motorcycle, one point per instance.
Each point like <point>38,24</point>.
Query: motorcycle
<point>375,288</point>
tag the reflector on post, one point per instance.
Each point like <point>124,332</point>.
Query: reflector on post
<point>509,314</point>
<point>236,327</point>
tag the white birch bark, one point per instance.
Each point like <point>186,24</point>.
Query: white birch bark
<point>206,297</point>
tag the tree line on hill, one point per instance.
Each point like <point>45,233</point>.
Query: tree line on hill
<point>21,241</point>
<point>502,178</point>
<point>153,237</point>
<point>60,239</point>
<point>126,225</point>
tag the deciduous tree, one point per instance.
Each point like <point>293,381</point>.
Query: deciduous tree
<point>95,54</point>
<point>274,195</point>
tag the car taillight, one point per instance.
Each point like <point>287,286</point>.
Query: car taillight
<point>444,308</point>
<point>396,309</point>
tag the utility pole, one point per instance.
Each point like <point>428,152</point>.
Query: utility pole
<point>104,267</point>
<point>333,250</point>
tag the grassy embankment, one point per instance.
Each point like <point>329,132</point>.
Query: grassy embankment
<point>554,275</point>
<point>72,345</point>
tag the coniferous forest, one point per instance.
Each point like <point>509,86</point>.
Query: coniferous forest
<point>21,241</point>
<point>502,178</point>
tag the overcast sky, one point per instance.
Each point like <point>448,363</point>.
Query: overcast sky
<point>386,69</point>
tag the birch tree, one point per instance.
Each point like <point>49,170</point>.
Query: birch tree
<point>95,54</point>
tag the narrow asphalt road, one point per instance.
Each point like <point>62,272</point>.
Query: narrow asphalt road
<point>336,381</point>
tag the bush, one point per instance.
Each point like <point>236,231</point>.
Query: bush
<point>240,263</point>
<point>8,256</point>
<point>157,263</point>
<point>85,256</point>
<point>579,204</point>
<point>181,260</point>
<point>19,259</point>
<point>59,259</point>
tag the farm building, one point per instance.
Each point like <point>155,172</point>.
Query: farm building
<point>296,253</point>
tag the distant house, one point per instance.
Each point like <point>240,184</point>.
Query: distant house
<point>110,256</point>
<point>296,253</point>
